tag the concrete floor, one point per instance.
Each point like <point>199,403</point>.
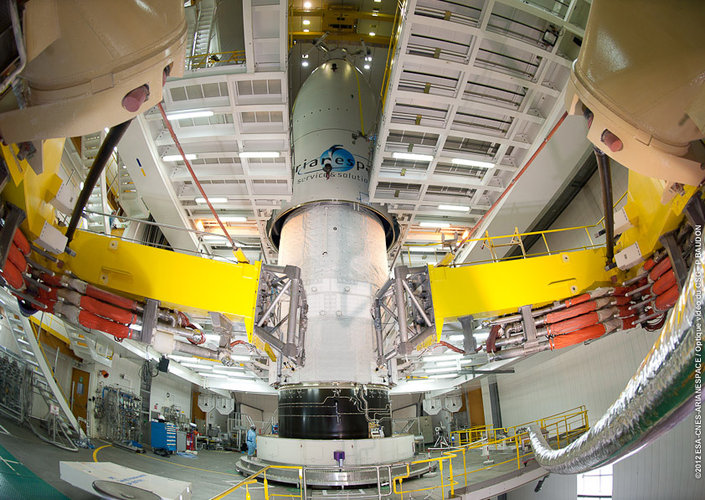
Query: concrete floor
<point>213,472</point>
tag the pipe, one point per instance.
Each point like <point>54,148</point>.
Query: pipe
<point>101,159</point>
<point>399,275</point>
<point>449,346</point>
<point>603,166</point>
<point>583,308</point>
<point>660,269</point>
<point>513,181</point>
<point>22,243</point>
<point>658,396</point>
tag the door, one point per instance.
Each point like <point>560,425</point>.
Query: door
<point>79,394</point>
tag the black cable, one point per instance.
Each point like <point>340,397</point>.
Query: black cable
<point>603,166</point>
<point>106,149</point>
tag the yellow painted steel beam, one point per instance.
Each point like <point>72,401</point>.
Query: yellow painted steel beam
<point>185,282</point>
<point>650,216</point>
<point>502,287</point>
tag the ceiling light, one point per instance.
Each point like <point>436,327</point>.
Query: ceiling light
<point>473,163</point>
<point>424,249</point>
<point>307,5</point>
<point>304,64</point>
<point>260,154</point>
<point>306,30</point>
<point>215,199</point>
<point>189,114</point>
<point>411,156</point>
<point>378,1</point>
<point>233,218</point>
<point>372,33</point>
<point>441,370</point>
<point>199,225</point>
<point>440,225</point>
<point>366,66</point>
<point>454,208</point>
<point>306,22</point>
<point>189,156</point>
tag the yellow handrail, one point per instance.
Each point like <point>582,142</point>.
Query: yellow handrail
<point>252,479</point>
<point>204,60</point>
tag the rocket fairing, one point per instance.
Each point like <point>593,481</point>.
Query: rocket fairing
<point>339,241</point>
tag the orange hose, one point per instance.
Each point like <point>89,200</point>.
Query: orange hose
<point>13,276</point>
<point>90,320</point>
<point>15,256</point>
<point>660,269</point>
<point>667,299</point>
<point>571,312</point>
<point>573,324</point>
<point>591,332</point>
<point>111,298</point>
<point>20,240</point>
<point>666,281</point>
<point>107,311</point>
<point>574,301</point>
<point>649,264</point>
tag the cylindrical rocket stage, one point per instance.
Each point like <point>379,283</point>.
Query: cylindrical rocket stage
<point>333,411</point>
<point>339,240</point>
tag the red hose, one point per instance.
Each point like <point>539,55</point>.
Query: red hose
<point>571,312</point>
<point>666,281</point>
<point>107,311</point>
<point>622,290</point>
<point>110,298</point>
<point>15,256</point>
<point>628,323</point>
<point>52,281</point>
<point>20,240</point>
<point>13,276</point>
<point>90,320</point>
<point>667,299</point>
<point>591,332</point>
<point>660,269</point>
<point>195,179</point>
<point>577,300</point>
<point>450,346</point>
<point>515,179</point>
<point>649,264</point>
<point>492,338</point>
<point>573,324</point>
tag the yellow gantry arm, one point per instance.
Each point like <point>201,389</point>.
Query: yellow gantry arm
<point>501,287</point>
<point>185,282</point>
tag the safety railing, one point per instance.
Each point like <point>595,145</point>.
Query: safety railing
<point>199,61</point>
<point>268,494</point>
<point>570,421</point>
<point>513,442</point>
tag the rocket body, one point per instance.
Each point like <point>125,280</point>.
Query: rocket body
<point>339,241</point>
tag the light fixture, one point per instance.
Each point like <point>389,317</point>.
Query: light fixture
<point>306,30</point>
<point>424,249</point>
<point>441,225</point>
<point>199,225</point>
<point>189,114</point>
<point>411,156</point>
<point>259,154</point>
<point>454,208</point>
<point>372,33</point>
<point>366,66</point>
<point>307,5</point>
<point>217,240</point>
<point>233,218</point>
<point>304,64</point>
<point>473,163</point>
<point>215,199</point>
<point>466,233</point>
<point>378,1</point>
<point>306,22</point>
<point>189,156</point>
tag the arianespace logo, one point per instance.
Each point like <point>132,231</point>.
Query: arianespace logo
<point>333,161</point>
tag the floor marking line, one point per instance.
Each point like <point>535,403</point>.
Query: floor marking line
<point>191,467</point>
<point>95,453</point>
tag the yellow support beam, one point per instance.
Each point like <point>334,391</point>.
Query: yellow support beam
<point>185,282</point>
<point>502,287</point>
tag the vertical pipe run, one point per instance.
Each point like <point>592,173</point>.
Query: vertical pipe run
<point>399,275</point>
<point>603,166</point>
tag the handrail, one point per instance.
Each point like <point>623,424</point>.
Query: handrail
<point>252,479</point>
<point>199,61</point>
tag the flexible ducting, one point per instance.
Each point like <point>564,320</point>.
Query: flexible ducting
<point>659,395</point>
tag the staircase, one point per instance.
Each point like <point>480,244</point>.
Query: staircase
<point>90,144</point>
<point>61,423</point>
<point>201,37</point>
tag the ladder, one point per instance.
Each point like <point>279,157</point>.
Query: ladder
<point>90,144</point>
<point>60,421</point>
